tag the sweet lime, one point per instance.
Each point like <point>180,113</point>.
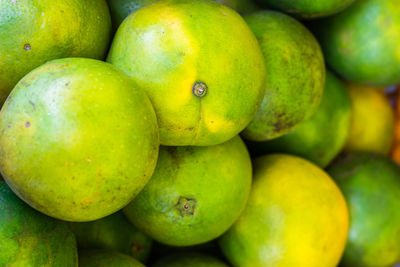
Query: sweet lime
<point>113,232</point>
<point>295,216</point>
<point>295,75</point>
<point>200,64</point>
<point>372,123</point>
<point>324,135</point>
<point>33,32</point>
<point>371,186</point>
<point>362,42</point>
<point>30,239</point>
<point>195,194</point>
<point>78,139</point>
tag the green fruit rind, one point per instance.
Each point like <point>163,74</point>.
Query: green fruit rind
<point>362,42</point>
<point>113,232</point>
<point>171,46</point>
<point>295,75</point>
<point>106,258</point>
<point>309,9</point>
<point>371,186</point>
<point>189,259</point>
<point>78,139</point>
<point>30,239</point>
<point>34,32</point>
<point>324,135</point>
<point>195,194</point>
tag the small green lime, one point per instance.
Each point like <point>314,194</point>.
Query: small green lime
<point>195,194</point>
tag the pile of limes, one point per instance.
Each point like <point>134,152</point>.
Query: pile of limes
<point>199,133</point>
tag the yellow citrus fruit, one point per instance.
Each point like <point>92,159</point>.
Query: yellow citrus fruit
<point>200,64</point>
<point>295,216</point>
<point>372,124</point>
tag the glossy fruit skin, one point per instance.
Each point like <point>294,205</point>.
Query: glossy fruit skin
<point>357,45</point>
<point>295,216</point>
<point>106,258</point>
<point>372,124</point>
<point>169,60</point>
<point>120,9</point>
<point>64,152</point>
<point>309,9</point>
<point>189,259</point>
<point>371,186</point>
<point>34,32</point>
<point>29,238</point>
<point>113,232</point>
<point>323,136</point>
<point>295,75</point>
<point>195,194</point>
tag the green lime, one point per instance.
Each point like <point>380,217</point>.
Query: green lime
<point>78,139</point>
<point>371,186</point>
<point>295,75</point>
<point>195,194</point>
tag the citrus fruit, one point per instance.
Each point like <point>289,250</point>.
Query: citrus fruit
<point>295,216</point>
<point>295,75</point>
<point>200,64</point>
<point>33,32</point>
<point>120,9</point>
<point>113,232</point>
<point>195,193</point>
<point>323,136</point>
<point>371,186</point>
<point>362,42</point>
<point>189,259</point>
<point>78,139</point>
<point>106,258</point>
<point>307,8</point>
<point>30,239</point>
<point>372,124</point>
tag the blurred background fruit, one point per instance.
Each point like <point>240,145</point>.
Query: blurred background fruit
<point>29,238</point>
<point>106,258</point>
<point>322,137</point>
<point>66,146</point>
<point>204,73</point>
<point>295,216</point>
<point>307,8</point>
<point>362,42</point>
<point>395,153</point>
<point>295,75</point>
<point>34,32</point>
<point>371,186</point>
<point>195,194</point>
<point>113,232</point>
<point>372,124</point>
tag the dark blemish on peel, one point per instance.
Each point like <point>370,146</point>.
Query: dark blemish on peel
<point>32,104</point>
<point>67,83</point>
<point>212,121</point>
<point>27,47</point>
<point>27,124</point>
